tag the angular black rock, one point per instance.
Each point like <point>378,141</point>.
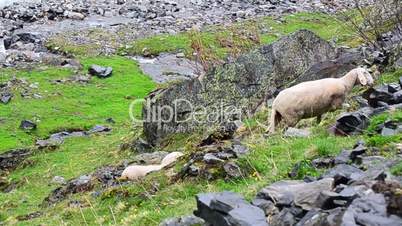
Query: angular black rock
<point>27,125</point>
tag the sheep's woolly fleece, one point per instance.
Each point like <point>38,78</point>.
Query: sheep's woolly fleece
<point>136,172</point>
<point>315,98</point>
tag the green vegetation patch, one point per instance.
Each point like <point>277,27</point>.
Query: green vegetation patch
<point>222,40</point>
<point>67,106</point>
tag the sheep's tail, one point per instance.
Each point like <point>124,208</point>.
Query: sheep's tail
<point>275,116</point>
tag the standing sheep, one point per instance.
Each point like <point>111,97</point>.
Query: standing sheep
<point>314,98</point>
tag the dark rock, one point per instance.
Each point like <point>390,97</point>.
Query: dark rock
<point>100,72</point>
<point>302,194</point>
<point>397,97</point>
<point>370,210</point>
<point>266,205</point>
<point>24,38</point>
<point>347,156</point>
<point>294,173</point>
<point>110,120</point>
<point>232,170</point>
<point>343,174</point>
<point>79,185</point>
<point>5,98</point>
<point>30,216</point>
<point>323,162</point>
<point>313,217</point>
<point>205,212</point>
<point>343,157</point>
<point>247,215</point>
<point>393,197</point>
<point>184,221</point>
<point>378,94</point>
<point>12,159</point>
<point>27,125</point>
<point>227,201</point>
<point>353,123</point>
<point>141,146</point>
<point>330,200</point>
<point>287,216</point>
<point>245,83</point>
<point>228,208</point>
<point>333,68</point>
<point>394,87</point>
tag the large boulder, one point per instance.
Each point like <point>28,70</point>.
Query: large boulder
<point>234,90</point>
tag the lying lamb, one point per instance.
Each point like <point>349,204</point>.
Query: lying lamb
<point>314,98</point>
<point>136,172</point>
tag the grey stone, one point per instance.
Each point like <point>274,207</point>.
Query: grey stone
<point>228,208</point>
<point>210,158</point>
<point>370,210</point>
<point>99,129</point>
<point>302,194</point>
<point>388,132</point>
<point>343,173</point>
<point>183,221</point>
<point>294,132</point>
<point>232,170</point>
<point>100,72</point>
<point>240,150</point>
<point>59,180</point>
<point>5,97</point>
<point>313,217</point>
<point>247,215</point>
<point>343,157</point>
<point>266,205</point>
<point>226,201</point>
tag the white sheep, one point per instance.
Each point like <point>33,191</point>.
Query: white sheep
<point>314,98</point>
<point>136,172</point>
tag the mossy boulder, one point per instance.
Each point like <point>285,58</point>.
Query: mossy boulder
<point>234,90</point>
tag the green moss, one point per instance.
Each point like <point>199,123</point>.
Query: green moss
<point>397,169</point>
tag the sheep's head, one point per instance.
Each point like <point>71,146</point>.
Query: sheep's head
<point>364,77</point>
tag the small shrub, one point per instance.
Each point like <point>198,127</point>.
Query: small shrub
<point>371,21</point>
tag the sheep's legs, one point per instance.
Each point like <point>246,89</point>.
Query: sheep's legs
<point>319,118</point>
<point>275,119</point>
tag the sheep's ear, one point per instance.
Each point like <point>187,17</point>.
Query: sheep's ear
<point>362,79</point>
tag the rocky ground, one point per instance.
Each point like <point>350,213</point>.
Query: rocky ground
<point>25,27</point>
